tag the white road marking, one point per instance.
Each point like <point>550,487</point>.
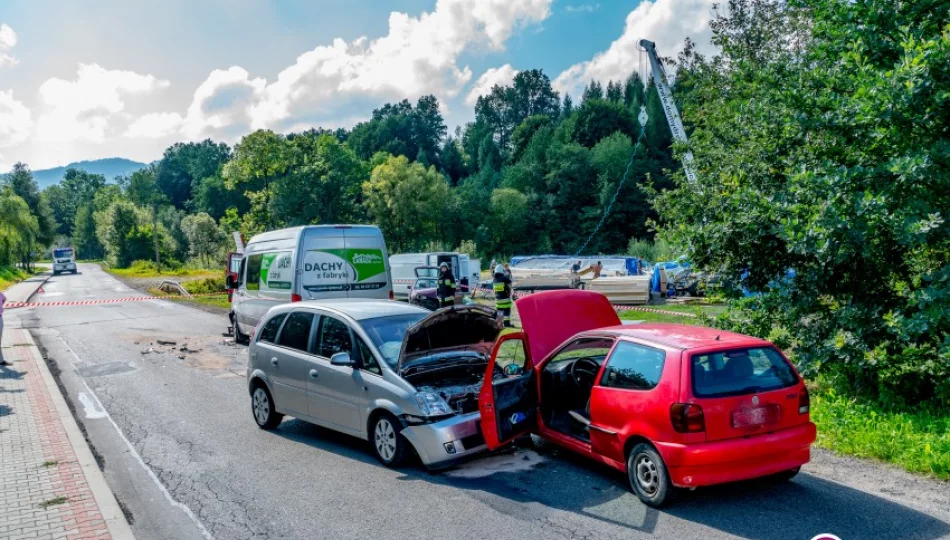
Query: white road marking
<point>519,460</point>
<point>168,496</point>
<point>90,406</point>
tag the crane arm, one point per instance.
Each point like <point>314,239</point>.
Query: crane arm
<point>669,106</point>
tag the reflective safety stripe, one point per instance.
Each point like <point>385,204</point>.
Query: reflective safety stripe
<point>502,304</point>
<point>498,287</point>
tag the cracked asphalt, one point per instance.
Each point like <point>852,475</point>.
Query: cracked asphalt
<point>185,459</point>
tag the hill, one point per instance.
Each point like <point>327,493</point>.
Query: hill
<point>109,167</point>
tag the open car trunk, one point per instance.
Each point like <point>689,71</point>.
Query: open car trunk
<point>447,353</point>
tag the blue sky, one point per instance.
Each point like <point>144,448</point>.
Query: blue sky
<point>85,80</point>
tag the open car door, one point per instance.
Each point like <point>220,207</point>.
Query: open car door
<point>508,399</point>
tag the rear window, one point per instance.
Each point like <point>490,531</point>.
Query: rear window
<point>740,371</point>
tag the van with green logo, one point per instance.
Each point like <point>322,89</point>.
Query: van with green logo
<point>315,262</point>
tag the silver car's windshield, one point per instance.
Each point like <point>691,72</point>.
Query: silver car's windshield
<point>387,333</point>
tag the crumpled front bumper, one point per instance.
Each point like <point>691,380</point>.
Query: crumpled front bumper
<point>439,444</point>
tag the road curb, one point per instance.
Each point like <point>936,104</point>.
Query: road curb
<point>119,528</point>
<point>45,276</point>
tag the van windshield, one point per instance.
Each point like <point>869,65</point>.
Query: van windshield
<point>740,371</point>
<point>388,333</point>
<point>65,253</point>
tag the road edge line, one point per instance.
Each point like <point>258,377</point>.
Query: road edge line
<point>119,528</point>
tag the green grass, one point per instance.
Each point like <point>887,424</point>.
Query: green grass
<point>149,271</point>
<point>918,441</point>
<point>11,276</point>
<point>648,316</point>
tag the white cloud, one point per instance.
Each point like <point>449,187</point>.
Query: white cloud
<point>666,22</point>
<point>16,121</point>
<point>501,76</point>
<point>419,55</point>
<point>7,42</point>
<point>85,107</point>
<point>222,102</point>
<point>582,8</point>
<point>154,126</point>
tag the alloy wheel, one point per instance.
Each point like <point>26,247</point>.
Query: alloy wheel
<point>261,406</point>
<point>385,438</point>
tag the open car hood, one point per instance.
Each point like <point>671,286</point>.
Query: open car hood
<point>457,328</point>
<point>550,318</point>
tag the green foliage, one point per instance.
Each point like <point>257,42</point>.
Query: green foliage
<point>184,165</point>
<point>653,252</point>
<point>205,239</point>
<point>402,130</point>
<point>406,201</point>
<point>77,188</point>
<point>205,285</point>
<point>917,440</point>
<point>820,136</point>
<point>11,276</point>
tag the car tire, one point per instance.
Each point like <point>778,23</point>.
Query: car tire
<point>389,446</point>
<point>55,273</point>
<point>648,476</point>
<point>75,272</point>
<point>239,337</point>
<point>262,408</point>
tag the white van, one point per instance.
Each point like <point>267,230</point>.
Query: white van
<point>309,263</point>
<point>64,260</point>
<point>404,268</point>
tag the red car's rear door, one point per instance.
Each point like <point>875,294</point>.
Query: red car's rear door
<point>508,398</point>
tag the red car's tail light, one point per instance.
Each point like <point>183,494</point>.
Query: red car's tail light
<point>391,295</point>
<point>295,297</point>
<point>804,401</point>
<point>687,418</point>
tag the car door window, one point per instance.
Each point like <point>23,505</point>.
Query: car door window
<point>253,274</point>
<point>296,332</point>
<point>269,331</point>
<point>593,348</point>
<point>511,357</point>
<point>367,360</point>
<point>334,337</point>
<point>633,367</point>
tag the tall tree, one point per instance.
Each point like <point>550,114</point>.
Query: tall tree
<point>259,160</point>
<point>77,187</point>
<point>23,185</point>
<point>505,107</point>
<point>184,165</point>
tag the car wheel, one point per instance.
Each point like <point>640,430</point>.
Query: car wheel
<point>390,447</point>
<point>239,337</point>
<point>648,476</point>
<point>262,407</point>
<point>75,272</point>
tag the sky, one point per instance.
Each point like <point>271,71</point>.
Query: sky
<point>120,78</point>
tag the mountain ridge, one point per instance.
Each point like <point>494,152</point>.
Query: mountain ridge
<point>108,167</point>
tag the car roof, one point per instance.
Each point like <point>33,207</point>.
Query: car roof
<point>360,308</point>
<point>683,336</point>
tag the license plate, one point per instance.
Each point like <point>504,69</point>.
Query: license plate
<point>756,416</point>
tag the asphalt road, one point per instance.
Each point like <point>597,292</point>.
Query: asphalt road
<point>182,453</point>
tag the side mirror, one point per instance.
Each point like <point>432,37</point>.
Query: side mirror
<point>230,281</point>
<point>342,359</point>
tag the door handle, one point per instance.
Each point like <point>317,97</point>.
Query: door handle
<point>314,374</point>
<point>273,361</point>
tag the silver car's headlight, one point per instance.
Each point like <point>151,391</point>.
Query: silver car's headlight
<point>432,404</point>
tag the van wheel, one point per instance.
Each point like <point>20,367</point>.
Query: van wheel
<point>262,407</point>
<point>648,476</point>
<point>390,447</point>
<point>239,337</point>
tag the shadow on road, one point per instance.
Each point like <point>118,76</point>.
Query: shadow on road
<point>760,510</point>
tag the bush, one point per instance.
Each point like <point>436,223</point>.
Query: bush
<point>653,252</point>
<point>205,286</point>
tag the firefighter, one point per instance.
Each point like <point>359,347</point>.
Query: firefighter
<point>502,288</point>
<point>446,286</point>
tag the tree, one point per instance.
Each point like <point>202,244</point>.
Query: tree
<point>23,185</point>
<point>86,242</point>
<point>401,130</point>
<point>205,239</point>
<point>820,136</point>
<point>505,107</point>
<point>453,162</point>
<point>18,227</point>
<point>507,222</point>
<point>405,200</point>
<point>597,118</point>
<point>614,92</point>
<point>184,165</point>
<point>77,187</point>
<point>322,184</point>
<point>258,160</point>
<point>593,91</point>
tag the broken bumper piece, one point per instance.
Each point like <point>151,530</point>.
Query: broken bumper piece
<point>441,443</point>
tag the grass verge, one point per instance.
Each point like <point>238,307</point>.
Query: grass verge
<point>917,441</point>
<point>146,272</point>
<point>11,276</point>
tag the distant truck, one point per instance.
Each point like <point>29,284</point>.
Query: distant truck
<point>64,260</point>
<point>314,262</point>
<point>404,269</point>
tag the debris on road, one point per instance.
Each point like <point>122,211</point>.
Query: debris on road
<point>162,342</point>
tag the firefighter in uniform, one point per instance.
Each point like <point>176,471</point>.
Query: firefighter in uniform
<point>502,287</point>
<point>446,286</point>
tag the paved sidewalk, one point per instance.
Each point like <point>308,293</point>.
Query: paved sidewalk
<point>50,485</point>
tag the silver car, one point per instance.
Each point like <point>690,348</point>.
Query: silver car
<point>394,374</point>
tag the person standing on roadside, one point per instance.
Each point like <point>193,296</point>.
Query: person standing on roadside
<point>3,300</point>
<point>447,286</point>
<point>501,284</point>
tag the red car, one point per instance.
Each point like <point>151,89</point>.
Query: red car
<point>673,406</point>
